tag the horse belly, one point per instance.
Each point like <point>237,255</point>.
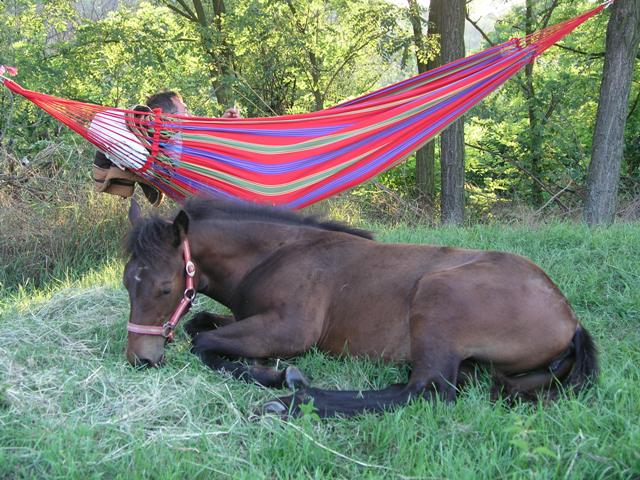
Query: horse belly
<point>373,324</point>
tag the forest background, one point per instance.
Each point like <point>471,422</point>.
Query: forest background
<point>527,146</point>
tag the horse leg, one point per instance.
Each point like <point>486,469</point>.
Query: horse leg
<point>261,336</point>
<point>205,321</point>
<point>435,363</point>
<point>431,375</point>
<point>291,377</point>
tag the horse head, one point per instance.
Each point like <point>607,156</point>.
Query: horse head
<point>154,276</point>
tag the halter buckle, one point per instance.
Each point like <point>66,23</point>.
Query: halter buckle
<point>167,330</point>
<point>190,268</point>
<point>190,294</point>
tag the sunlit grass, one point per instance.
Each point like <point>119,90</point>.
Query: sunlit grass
<point>70,406</point>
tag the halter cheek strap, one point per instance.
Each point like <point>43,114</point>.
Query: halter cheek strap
<point>189,295</point>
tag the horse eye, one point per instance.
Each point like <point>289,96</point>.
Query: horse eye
<point>165,290</point>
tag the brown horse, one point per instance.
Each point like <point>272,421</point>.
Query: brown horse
<point>294,282</point>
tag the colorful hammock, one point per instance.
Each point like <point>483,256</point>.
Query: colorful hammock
<point>297,160</point>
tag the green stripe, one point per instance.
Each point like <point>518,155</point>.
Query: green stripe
<point>271,190</point>
<point>309,144</point>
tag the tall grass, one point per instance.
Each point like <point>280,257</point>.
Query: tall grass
<point>70,407</point>
<point>54,225</point>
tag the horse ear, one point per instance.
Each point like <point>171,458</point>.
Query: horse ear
<point>180,227</point>
<point>135,213</point>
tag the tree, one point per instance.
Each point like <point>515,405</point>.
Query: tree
<point>210,19</point>
<point>427,57</point>
<point>330,35</point>
<point>452,139</point>
<point>623,35</point>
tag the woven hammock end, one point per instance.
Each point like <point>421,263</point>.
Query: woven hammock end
<point>10,71</point>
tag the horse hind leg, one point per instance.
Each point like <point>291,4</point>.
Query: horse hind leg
<point>435,365</point>
<point>331,403</point>
<point>426,380</point>
<point>574,369</point>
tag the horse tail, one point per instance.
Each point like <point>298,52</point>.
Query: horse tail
<point>575,369</point>
<point>585,368</point>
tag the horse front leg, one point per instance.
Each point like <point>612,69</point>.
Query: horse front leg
<point>258,337</point>
<point>206,321</point>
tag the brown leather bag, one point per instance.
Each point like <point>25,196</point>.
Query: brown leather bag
<point>108,178</point>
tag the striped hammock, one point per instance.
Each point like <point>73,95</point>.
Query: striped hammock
<point>297,160</point>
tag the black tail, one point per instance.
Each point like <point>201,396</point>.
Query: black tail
<point>585,367</point>
<point>576,369</point>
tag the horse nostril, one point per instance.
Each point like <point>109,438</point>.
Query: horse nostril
<point>144,363</point>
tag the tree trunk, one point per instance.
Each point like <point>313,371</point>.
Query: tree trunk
<point>452,139</point>
<point>623,34</point>
<point>214,42</point>
<point>425,157</point>
<point>535,128</point>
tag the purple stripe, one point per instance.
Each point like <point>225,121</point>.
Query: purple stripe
<point>397,151</point>
<point>280,132</point>
<point>436,71</point>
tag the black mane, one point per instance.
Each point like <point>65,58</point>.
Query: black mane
<point>150,237</point>
<point>200,208</point>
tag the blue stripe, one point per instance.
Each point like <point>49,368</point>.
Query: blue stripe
<point>280,132</point>
<point>395,152</point>
<point>430,73</point>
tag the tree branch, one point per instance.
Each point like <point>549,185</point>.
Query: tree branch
<point>552,106</point>
<point>588,54</point>
<point>351,54</point>
<point>547,15</point>
<point>575,50</point>
<point>555,196</point>
<point>200,13</point>
<point>186,15</point>
<point>477,27</point>
<point>634,106</point>
<point>193,16</point>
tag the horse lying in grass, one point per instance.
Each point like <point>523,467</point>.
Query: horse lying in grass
<point>293,282</point>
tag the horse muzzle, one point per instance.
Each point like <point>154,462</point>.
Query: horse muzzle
<point>145,350</point>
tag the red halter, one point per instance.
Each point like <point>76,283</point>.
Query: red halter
<point>167,329</point>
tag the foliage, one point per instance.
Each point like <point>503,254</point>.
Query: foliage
<point>304,55</point>
<point>291,56</point>
<point>567,87</point>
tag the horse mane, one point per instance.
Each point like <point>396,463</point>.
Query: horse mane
<point>148,239</point>
<point>203,208</point>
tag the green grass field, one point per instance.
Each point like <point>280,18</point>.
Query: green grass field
<point>70,407</point>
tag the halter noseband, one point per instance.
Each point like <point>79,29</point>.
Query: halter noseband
<point>167,329</point>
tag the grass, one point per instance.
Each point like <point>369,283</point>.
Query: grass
<point>70,407</point>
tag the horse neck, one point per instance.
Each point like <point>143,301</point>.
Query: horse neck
<point>225,251</point>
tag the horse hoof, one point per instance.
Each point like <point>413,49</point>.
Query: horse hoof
<point>274,407</point>
<point>295,379</point>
